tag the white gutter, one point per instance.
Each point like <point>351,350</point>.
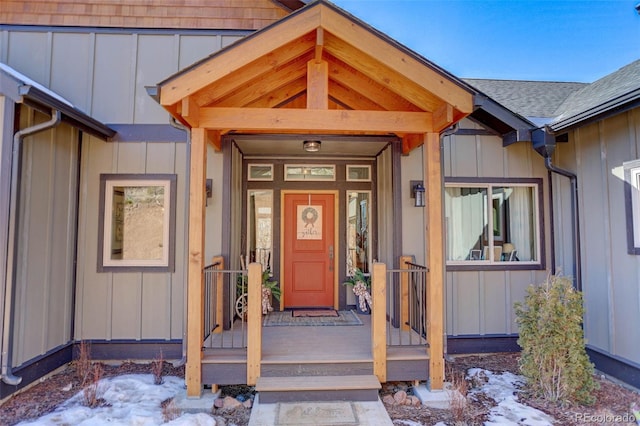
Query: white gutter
<point>6,323</point>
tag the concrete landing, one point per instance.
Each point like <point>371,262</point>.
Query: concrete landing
<point>329,413</point>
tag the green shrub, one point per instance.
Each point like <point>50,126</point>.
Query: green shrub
<point>554,359</point>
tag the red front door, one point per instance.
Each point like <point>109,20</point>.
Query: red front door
<point>309,249</point>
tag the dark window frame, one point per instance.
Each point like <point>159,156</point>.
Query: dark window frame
<point>170,264</point>
<point>505,266</point>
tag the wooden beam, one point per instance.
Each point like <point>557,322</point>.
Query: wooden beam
<point>348,76</point>
<point>195,279</point>
<point>319,45</point>
<point>407,65</point>
<point>351,99</point>
<point>442,117</point>
<point>317,85</point>
<point>231,59</point>
<point>411,142</point>
<point>321,121</point>
<point>214,138</point>
<point>379,320</point>
<point>254,323</point>
<point>257,70</point>
<point>190,111</point>
<point>435,258</point>
<point>281,95</point>
<point>258,88</point>
<point>382,74</point>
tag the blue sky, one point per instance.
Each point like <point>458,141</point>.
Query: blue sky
<point>561,40</point>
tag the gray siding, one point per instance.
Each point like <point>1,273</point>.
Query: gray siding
<point>44,263</point>
<point>104,73</point>
<point>481,302</point>
<point>611,276</point>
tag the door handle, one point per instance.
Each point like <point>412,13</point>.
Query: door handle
<point>331,258</point>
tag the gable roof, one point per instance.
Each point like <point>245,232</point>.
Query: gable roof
<point>613,93</point>
<point>306,69</point>
<point>538,101</point>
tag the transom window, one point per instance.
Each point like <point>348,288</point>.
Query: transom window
<point>309,172</point>
<point>494,223</point>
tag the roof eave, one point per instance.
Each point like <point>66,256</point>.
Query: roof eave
<point>512,127</point>
<point>612,107</point>
<point>41,101</point>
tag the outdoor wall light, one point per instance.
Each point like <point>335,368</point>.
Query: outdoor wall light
<point>417,192</point>
<point>311,146</point>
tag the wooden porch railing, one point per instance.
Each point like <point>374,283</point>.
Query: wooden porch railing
<point>398,317</point>
<point>224,325</point>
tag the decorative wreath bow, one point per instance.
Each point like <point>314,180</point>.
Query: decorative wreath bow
<point>360,290</point>
<point>266,305</point>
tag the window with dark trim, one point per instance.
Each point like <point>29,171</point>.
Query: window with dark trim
<point>493,223</point>
<point>137,222</point>
<point>632,205</point>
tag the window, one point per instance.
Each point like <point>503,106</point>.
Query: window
<point>260,227</point>
<point>496,224</point>
<point>358,231</point>
<point>632,205</point>
<point>137,222</point>
<point>358,173</point>
<point>296,172</point>
<point>260,172</point>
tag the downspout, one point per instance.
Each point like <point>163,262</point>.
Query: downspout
<point>9,284</point>
<point>544,143</point>
<point>176,124</point>
<point>445,133</point>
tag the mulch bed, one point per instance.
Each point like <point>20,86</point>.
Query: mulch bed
<point>612,399</point>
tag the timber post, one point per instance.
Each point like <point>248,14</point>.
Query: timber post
<point>254,323</point>
<point>195,272</point>
<point>435,259</point>
<point>379,321</point>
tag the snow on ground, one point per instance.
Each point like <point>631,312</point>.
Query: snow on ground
<point>133,399</point>
<point>503,388</point>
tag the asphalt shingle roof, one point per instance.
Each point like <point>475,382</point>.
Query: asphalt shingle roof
<point>527,98</point>
<point>562,104</point>
<point>610,91</point>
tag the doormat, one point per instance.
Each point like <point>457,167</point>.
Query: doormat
<point>286,318</point>
<point>315,313</point>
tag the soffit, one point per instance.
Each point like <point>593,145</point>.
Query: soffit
<point>319,70</point>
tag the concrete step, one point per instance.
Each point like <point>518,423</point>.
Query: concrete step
<point>318,388</point>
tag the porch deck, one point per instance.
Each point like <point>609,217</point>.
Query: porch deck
<point>313,351</point>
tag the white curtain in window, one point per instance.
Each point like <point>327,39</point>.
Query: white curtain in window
<point>521,222</point>
<point>465,220</point>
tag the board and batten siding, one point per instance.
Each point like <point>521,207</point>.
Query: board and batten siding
<point>481,302</point>
<point>104,74</point>
<point>45,253</point>
<point>610,276</point>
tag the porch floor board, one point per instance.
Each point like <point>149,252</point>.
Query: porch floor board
<point>312,344</point>
<point>318,343</point>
